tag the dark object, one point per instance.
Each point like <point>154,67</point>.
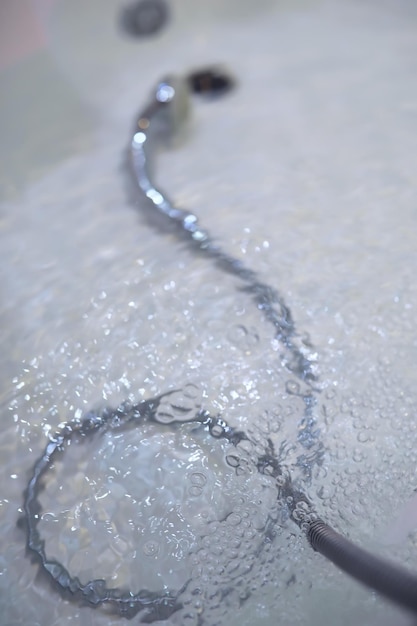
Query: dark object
<point>146,17</point>
<point>213,82</point>
<point>393,581</point>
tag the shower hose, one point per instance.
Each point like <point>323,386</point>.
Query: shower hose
<point>164,112</point>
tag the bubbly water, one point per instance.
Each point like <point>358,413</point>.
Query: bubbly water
<point>306,172</point>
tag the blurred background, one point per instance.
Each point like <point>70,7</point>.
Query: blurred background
<point>307,172</point>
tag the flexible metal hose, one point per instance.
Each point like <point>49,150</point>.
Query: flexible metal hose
<point>167,107</point>
<point>389,579</point>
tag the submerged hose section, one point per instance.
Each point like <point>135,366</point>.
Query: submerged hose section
<point>148,605</point>
<point>162,117</point>
<point>394,582</point>
<point>163,114</point>
<point>166,107</point>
